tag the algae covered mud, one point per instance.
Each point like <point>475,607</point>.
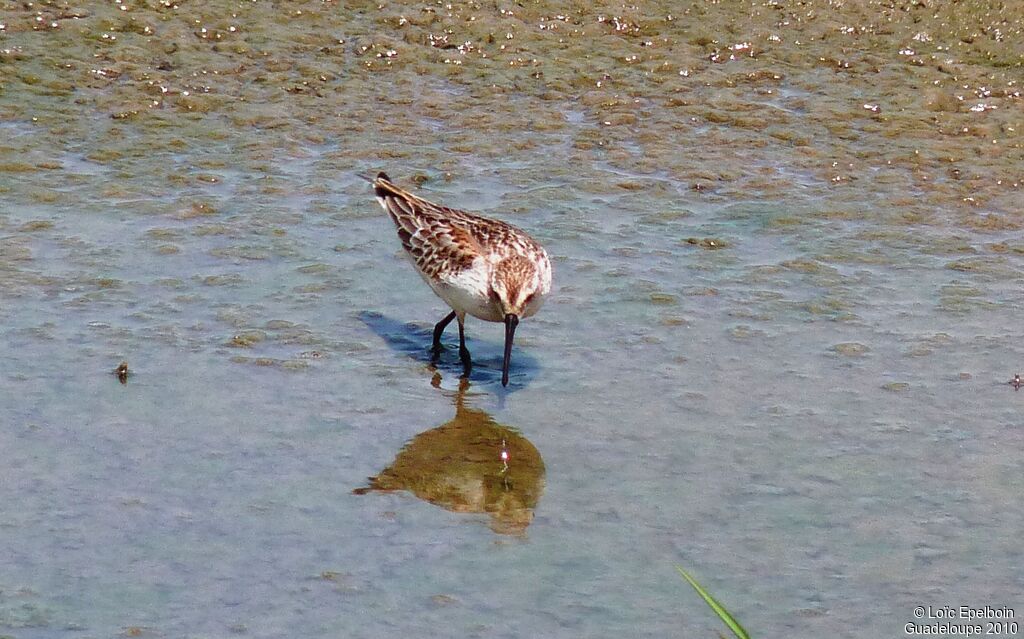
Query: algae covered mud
<point>788,278</point>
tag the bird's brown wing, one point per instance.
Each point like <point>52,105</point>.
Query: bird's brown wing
<point>436,241</point>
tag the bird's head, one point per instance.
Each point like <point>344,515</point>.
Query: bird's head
<point>517,287</point>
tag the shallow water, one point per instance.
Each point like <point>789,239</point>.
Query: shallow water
<point>788,267</point>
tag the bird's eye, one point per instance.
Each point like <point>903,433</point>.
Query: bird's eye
<point>529,298</point>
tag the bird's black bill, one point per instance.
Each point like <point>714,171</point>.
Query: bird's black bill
<point>511,321</point>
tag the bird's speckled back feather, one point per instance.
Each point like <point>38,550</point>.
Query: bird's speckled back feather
<point>438,237</point>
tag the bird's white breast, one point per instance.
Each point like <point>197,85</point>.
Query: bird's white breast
<point>468,291</point>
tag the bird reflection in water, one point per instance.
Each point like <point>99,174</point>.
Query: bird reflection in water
<point>470,464</point>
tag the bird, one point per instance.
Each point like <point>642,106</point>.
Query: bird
<point>479,266</point>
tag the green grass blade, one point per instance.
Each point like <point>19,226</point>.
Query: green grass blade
<point>719,609</point>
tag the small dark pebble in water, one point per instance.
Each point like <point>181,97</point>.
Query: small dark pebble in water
<point>1015,382</point>
<point>122,372</point>
<point>709,243</point>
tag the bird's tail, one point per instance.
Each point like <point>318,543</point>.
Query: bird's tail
<point>399,204</point>
<point>382,185</point>
<point>395,200</point>
<point>369,178</point>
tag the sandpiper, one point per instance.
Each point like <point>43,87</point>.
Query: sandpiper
<point>478,266</point>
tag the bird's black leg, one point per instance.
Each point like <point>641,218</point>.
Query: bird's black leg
<point>467,362</point>
<point>438,330</point>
